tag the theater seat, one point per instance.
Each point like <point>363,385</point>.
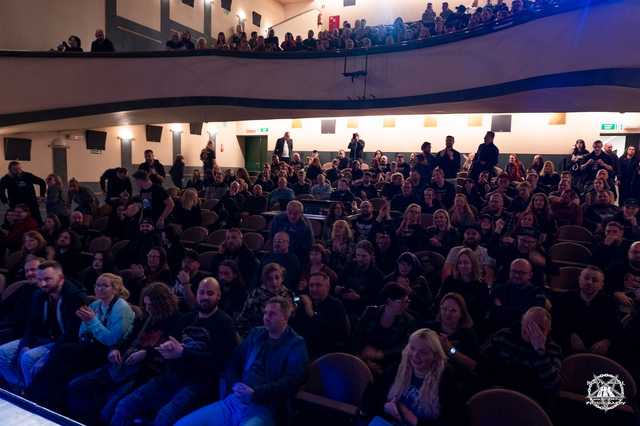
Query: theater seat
<point>576,234</point>
<point>337,382</point>
<point>210,204</point>
<point>256,223</point>
<point>194,235</point>
<point>566,279</point>
<point>570,254</point>
<point>253,240</point>
<point>504,407</point>
<point>208,218</point>
<point>99,244</point>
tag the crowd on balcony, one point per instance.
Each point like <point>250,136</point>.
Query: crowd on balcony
<point>442,274</point>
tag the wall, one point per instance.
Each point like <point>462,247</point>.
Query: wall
<point>223,21</point>
<point>43,24</point>
<point>144,12</point>
<point>300,25</point>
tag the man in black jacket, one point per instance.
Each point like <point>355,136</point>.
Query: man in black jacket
<point>52,319</point>
<point>114,182</point>
<point>101,43</point>
<point>486,157</point>
<point>233,248</point>
<point>16,187</point>
<point>194,364</point>
<point>284,148</point>
<point>151,165</point>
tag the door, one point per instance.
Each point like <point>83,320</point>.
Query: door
<point>60,163</point>
<point>255,152</point>
<point>125,154</point>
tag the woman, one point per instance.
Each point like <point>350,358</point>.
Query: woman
<point>314,170</point>
<point>429,203</point>
<point>409,273</point>
<point>73,44</point>
<point>221,42</point>
<point>289,43</point>
<point>177,171</point>
<point>243,174</point>
<point>515,169</point>
<point>544,218</point>
<point>318,259</point>
<point>455,326</point>
<point>233,288</point>
<point>466,280</point>
<point>51,228</point>
<point>66,252</point>
<point>424,390</point>
<point>102,263</point>
<point>105,324</point>
<point>94,395</point>
<point>272,285</point>
<point>34,245</point>
<point>549,179</point>
<point>55,198</point>
<point>361,280</point>
<point>599,185</point>
<point>196,181</point>
<point>578,158</point>
<point>336,212</point>
<point>441,236</point>
<point>187,211</point>
<point>461,213</point>
<point>156,269</point>
<point>383,330</point>
<point>470,191</point>
<point>410,235</point>
<point>537,164</point>
<point>342,245</point>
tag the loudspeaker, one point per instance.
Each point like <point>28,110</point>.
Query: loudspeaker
<point>195,128</point>
<point>501,123</point>
<point>328,127</point>
<point>154,133</point>
<point>95,139</point>
<point>17,149</point>
<point>188,2</point>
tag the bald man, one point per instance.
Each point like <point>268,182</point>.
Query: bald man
<point>297,226</point>
<point>195,363</point>
<point>524,358</point>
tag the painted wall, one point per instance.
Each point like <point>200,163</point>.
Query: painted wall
<point>192,17</point>
<point>272,12</point>
<point>300,25</point>
<point>144,12</point>
<point>43,24</point>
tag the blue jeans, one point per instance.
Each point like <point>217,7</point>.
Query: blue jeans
<point>229,412</point>
<point>379,421</point>
<point>162,395</point>
<point>18,369</point>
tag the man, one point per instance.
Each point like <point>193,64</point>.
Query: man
<point>486,157</point>
<point>608,149</point>
<point>266,371</point>
<point>401,201</point>
<point>524,358</point>
<point>187,279</point>
<point>16,301</point>
<point>283,257</point>
<point>233,248</point>
<point>101,43</point>
<point>610,253</point>
<point>363,223</point>
<point>185,39</point>
<point>471,240</point>
<point>586,320</point>
<point>194,364</point>
<point>403,167</point>
<point>513,298</point>
<point>595,161</point>
<point>282,194</point>
<point>525,244</point>
<point>321,319</point>
<point>52,318</point>
<point>624,282</point>
<point>83,197</point>
<point>175,43</point>
<point>449,159</point>
<point>151,165</point>
<point>143,240</point>
<point>296,162</point>
<point>356,147</point>
<point>628,218</point>
<point>344,195</point>
<point>385,252</point>
<point>113,183</point>
<point>445,191</point>
<point>214,185</point>
<point>256,203</point>
<point>155,202</point>
<point>284,148</point>
<point>297,226</point>
<point>343,160</point>
<point>310,43</point>
<point>208,156</point>
<point>391,189</point>
<point>600,212</point>
<point>426,162</point>
<point>521,201</point>
<point>366,189</point>
<point>627,170</point>
<point>16,187</point>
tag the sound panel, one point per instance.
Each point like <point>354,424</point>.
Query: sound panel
<point>501,123</point>
<point>328,127</point>
<point>17,149</point>
<point>188,2</point>
<point>195,128</point>
<point>226,4</point>
<point>95,139</point>
<point>256,18</point>
<point>154,133</point>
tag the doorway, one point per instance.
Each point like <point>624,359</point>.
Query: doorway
<point>60,163</point>
<point>254,149</point>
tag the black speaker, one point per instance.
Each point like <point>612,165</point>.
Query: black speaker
<point>17,149</point>
<point>349,3</point>
<point>501,123</point>
<point>195,128</point>
<point>154,133</point>
<point>328,127</point>
<point>96,140</point>
<point>188,2</point>
<point>256,18</point>
<point>226,4</point>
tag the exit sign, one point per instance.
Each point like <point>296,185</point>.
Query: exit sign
<point>608,126</point>
<point>264,130</point>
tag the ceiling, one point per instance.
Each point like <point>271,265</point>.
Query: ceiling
<point>578,99</point>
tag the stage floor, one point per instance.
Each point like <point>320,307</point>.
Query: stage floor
<point>17,411</point>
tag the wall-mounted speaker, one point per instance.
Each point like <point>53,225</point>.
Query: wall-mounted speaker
<point>226,4</point>
<point>501,123</point>
<point>328,127</point>
<point>17,149</point>
<point>188,2</point>
<point>195,128</point>
<point>154,133</point>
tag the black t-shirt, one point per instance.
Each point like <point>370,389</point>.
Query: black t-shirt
<point>152,200</point>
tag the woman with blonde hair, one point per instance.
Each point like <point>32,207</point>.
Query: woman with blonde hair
<point>55,200</point>
<point>549,179</point>
<point>187,209</point>
<point>342,245</point>
<point>461,213</point>
<point>441,237</point>
<point>423,389</point>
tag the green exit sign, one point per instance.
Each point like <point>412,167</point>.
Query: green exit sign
<point>608,126</point>
<point>264,130</point>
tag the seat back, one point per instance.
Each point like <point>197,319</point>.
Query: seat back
<point>13,259</point>
<point>118,247</point>
<point>568,252</point>
<point>205,260</point>
<point>578,369</point>
<point>575,233</point>
<point>100,223</point>
<point>195,234</point>
<point>208,218</point>
<point>217,237</point>
<point>377,203</point>
<point>431,261</point>
<point>426,220</point>
<point>253,240</point>
<point>254,222</point>
<point>504,407</point>
<point>317,228</point>
<point>210,204</point>
<point>102,243</point>
<point>339,376</point>
<point>566,279</point>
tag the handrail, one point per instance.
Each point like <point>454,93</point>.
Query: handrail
<point>438,40</point>
<point>291,18</point>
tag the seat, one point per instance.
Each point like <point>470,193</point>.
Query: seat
<point>205,260</point>
<point>210,204</point>
<point>13,259</point>
<point>208,218</point>
<point>104,210</point>
<point>217,237</point>
<point>566,279</point>
<point>317,228</point>
<point>504,407</point>
<point>571,254</point>
<point>377,203</point>
<point>305,197</point>
<point>102,243</point>
<point>426,219</point>
<point>13,288</point>
<point>256,223</point>
<point>253,240</point>
<point>100,224</point>
<point>575,233</point>
<point>118,247</point>
<point>431,261</point>
<point>337,382</point>
<point>194,235</point>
